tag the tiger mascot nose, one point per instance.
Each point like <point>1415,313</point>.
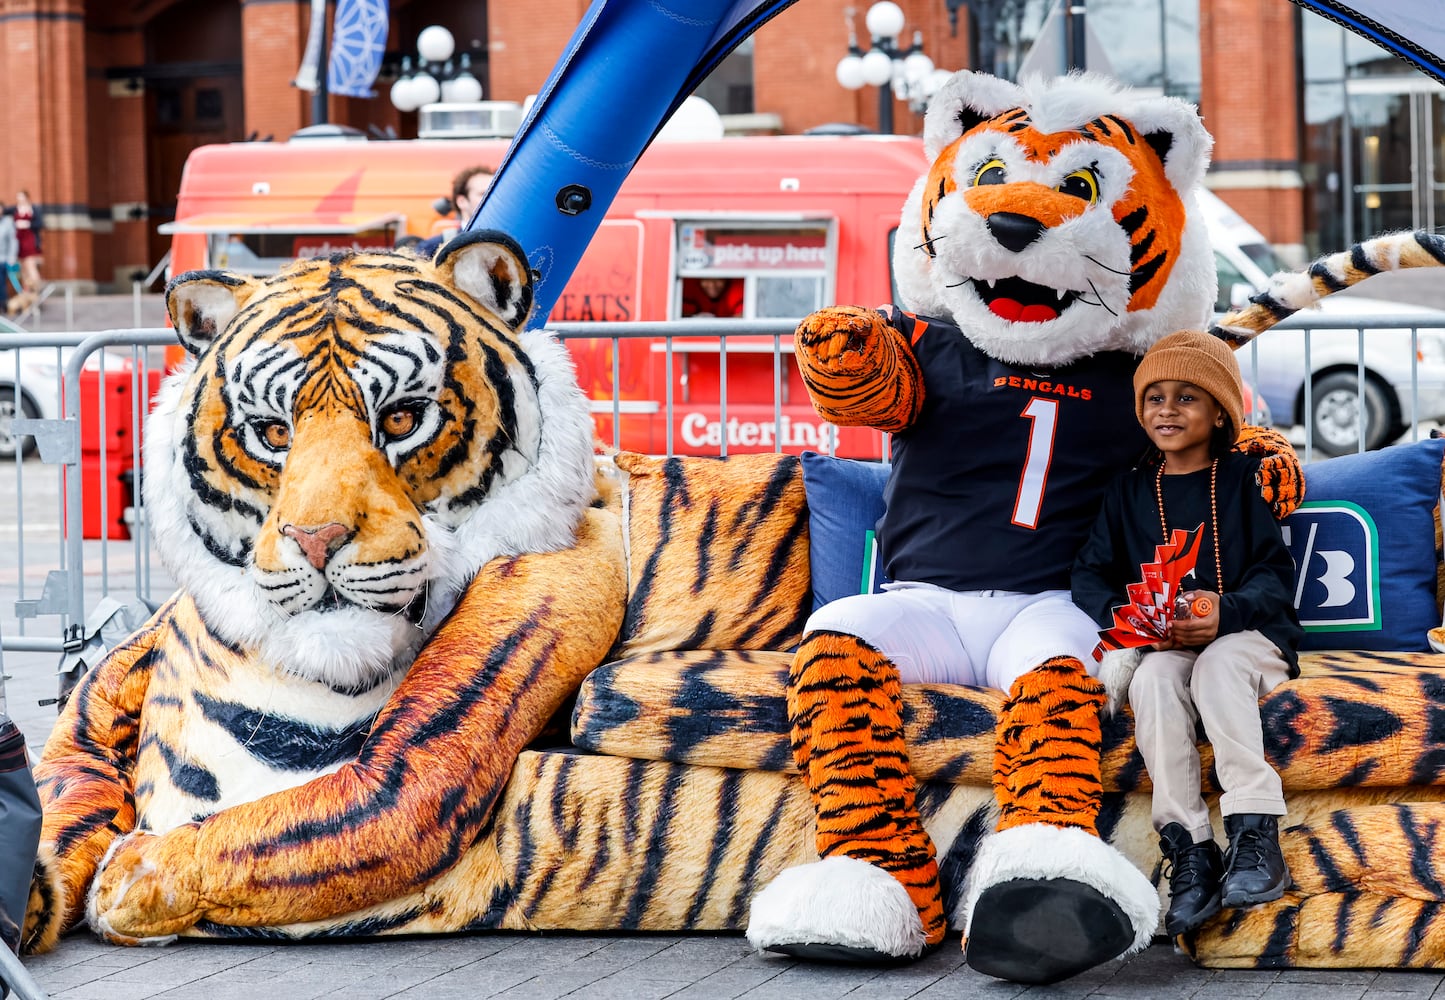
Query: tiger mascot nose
<point>336,492</point>
<point>1012,230</point>
<point>318,544</point>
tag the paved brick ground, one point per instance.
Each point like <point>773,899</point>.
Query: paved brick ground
<point>635,967</point>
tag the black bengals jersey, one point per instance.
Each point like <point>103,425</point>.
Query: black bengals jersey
<point>996,484</point>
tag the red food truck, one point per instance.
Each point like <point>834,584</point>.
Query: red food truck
<point>758,227</point>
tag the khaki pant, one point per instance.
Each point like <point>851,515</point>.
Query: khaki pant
<point>1172,692</point>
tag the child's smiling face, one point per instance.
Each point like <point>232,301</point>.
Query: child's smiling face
<point>1180,419</point>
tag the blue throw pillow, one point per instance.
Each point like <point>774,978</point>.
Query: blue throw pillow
<point>845,501</point>
<point>1363,544</point>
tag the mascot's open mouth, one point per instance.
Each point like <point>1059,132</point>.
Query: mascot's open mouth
<point>1020,301</point>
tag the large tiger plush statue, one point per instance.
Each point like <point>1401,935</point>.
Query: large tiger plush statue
<point>377,495</point>
<point>1053,239</point>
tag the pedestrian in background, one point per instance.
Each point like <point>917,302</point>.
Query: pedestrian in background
<point>28,225</point>
<point>9,255</point>
<point>467,190</point>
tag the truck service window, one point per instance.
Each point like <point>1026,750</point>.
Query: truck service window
<point>266,253</point>
<point>784,269</point>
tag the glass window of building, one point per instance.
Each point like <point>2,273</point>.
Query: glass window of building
<point>1149,44</point>
<point>1374,139</point>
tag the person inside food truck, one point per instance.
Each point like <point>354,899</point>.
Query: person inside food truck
<point>467,190</point>
<point>720,297</point>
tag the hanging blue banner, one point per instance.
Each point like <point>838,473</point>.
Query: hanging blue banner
<point>358,39</point>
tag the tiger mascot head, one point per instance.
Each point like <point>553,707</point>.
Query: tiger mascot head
<point>351,440</point>
<point>1057,218</point>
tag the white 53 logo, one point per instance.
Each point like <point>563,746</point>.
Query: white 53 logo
<point>1335,547</point>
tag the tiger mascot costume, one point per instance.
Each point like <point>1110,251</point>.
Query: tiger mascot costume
<point>368,484</point>
<point>1053,239</point>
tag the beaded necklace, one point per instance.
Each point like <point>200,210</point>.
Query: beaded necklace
<point>1213,515</point>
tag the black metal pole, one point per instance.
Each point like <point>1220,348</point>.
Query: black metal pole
<point>885,108</point>
<point>319,114</point>
<point>1075,43</point>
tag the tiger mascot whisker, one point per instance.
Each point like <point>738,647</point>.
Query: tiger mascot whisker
<point>376,491</point>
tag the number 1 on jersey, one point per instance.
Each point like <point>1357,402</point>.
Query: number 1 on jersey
<point>1043,415</point>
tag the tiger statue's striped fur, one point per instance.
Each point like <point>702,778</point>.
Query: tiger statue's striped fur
<point>376,493</point>
<point>1056,222</point>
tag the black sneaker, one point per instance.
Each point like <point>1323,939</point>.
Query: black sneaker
<point>1194,872</point>
<point>1255,871</point>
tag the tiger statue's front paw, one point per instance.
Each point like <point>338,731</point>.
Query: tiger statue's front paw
<point>147,889</point>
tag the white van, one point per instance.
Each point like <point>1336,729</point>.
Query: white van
<point>1277,365</point>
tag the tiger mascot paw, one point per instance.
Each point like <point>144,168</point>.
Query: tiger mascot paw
<point>838,909</point>
<point>1043,903</point>
<point>146,889</point>
<point>840,336</point>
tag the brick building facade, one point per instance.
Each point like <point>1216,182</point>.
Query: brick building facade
<point>104,99</point>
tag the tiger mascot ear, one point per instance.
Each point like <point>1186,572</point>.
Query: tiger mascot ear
<point>202,303</point>
<point>964,102</point>
<point>492,268</point>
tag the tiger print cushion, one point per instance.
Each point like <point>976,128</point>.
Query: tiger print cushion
<point>717,553</point>
<point>1371,719</point>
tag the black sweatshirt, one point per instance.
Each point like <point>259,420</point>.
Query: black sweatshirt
<point>1259,575</point>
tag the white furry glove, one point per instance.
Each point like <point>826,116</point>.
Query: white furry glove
<point>1115,673</point>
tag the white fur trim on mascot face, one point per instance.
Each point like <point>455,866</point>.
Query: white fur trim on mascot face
<point>338,619</point>
<point>1048,271</point>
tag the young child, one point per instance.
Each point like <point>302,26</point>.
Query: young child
<point>1213,668</point>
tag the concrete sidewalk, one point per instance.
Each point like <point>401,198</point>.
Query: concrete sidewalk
<point>638,967</point>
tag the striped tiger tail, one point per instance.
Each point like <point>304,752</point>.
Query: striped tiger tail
<point>1291,291</point>
<point>858,369</point>
<point>845,702</point>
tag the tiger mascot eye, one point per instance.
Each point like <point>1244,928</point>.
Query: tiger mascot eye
<point>376,493</point>
<point>1054,238</point>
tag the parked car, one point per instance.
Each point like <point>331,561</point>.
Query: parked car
<point>31,390</point>
<point>1277,364</point>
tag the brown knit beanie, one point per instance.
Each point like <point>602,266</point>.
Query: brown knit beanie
<point>1199,359</point>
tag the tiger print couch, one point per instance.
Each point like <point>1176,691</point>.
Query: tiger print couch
<point>676,798</point>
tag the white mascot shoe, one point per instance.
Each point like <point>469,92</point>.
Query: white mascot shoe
<point>1043,903</point>
<point>839,909</point>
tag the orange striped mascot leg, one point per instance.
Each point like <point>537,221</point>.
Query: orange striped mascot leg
<point>875,894</point>
<point>1046,898</point>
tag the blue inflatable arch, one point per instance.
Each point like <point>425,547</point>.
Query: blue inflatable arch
<point>627,67</point>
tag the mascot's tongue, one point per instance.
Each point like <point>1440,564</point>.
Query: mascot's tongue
<point>1017,312</point>
<point>1019,301</point>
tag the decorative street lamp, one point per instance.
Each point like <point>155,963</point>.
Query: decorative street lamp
<point>905,74</point>
<point>434,76</point>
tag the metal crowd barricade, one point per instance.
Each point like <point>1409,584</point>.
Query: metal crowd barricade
<point>59,440</point>
<point>1311,321</point>
<point>65,593</point>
